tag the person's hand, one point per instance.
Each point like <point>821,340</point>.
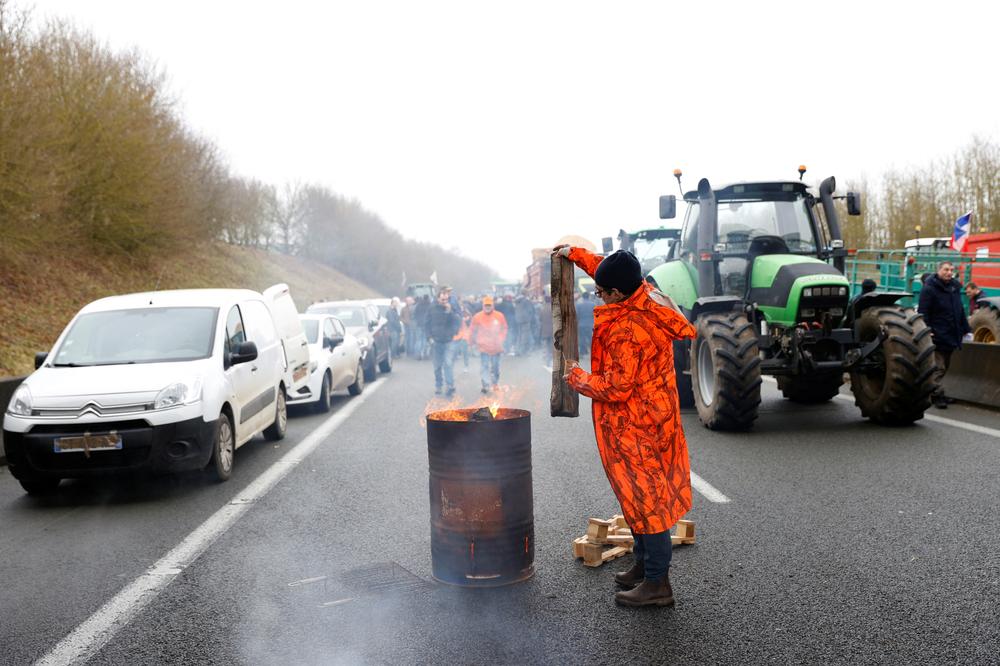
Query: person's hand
<point>568,367</point>
<point>561,250</point>
<point>967,337</point>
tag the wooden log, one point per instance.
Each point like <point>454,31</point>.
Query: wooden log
<point>564,400</point>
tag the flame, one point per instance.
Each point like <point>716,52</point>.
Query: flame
<point>456,409</point>
<point>494,408</point>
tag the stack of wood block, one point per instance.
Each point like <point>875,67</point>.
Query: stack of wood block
<point>607,540</point>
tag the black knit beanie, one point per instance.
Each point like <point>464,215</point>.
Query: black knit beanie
<point>619,270</point>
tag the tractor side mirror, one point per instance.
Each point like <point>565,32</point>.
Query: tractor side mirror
<point>608,245</point>
<point>668,207</point>
<point>854,203</point>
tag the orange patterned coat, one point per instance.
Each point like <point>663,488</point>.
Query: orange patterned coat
<point>636,414</point>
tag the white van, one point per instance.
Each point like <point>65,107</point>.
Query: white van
<point>164,381</point>
<point>293,338</point>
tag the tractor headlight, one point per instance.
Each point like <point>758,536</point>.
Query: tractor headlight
<point>807,292</point>
<point>20,402</point>
<point>842,291</point>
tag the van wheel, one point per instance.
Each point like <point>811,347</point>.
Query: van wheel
<point>40,485</point>
<point>223,449</point>
<point>277,430</point>
<point>386,365</point>
<point>323,406</point>
<point>359,381</point>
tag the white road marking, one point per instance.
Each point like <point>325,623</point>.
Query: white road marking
<point>971,427</point>
<point>708,490</point>
<point>95,632</point>
<point>336,603</point>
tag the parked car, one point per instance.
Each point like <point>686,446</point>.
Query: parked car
<point>293,338</point>
<point>161,381</point>
<point>363,322</point>
<point>334,365</point>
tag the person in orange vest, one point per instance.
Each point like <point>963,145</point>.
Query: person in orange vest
<point>487,333</point>
<point>636,414</point>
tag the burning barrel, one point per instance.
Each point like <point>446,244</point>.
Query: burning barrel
<point>482,516</point>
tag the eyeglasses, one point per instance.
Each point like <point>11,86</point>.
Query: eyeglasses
<point>601,293</point>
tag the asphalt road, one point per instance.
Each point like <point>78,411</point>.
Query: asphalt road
<point>842,542</point>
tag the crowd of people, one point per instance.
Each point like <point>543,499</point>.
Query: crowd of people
<point>450,329</point>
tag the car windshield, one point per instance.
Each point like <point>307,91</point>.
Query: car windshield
<point>742,221</point>
<point>351,315</point>
<point>311,328</point>
<point>148,335</point>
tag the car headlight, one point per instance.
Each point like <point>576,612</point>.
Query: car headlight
<point>181,393</point>
<point>20,402</point>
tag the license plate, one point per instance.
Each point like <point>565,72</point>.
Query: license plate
<point>88,443</point>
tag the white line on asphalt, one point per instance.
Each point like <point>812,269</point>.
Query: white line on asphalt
<point>707,489</point>
<point>95,632</point>
<point>971,427</point>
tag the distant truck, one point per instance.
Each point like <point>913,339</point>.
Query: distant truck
<point>420,289</point>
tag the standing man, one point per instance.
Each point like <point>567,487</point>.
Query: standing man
<point>941,306</point>
<point>636,414</point>
<point>443,324</point>
<point>506,308</point>
<point>406,318</point>
<point>395,325</point>
<point>524,315</point>
<point>973,293</point>
<point>420,313</point>
<point>487,334</point>
<point>585,321</point>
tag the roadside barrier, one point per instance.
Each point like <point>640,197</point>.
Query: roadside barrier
<point>974,374</point>
<point>7,387</point>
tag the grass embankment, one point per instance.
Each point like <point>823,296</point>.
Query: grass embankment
<point>40,293</point>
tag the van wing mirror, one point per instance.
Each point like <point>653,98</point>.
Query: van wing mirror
<point>668,207</point>
<point>854,203</point>
<point>40,359</point>
<point>333,342</point>
<point>245,351</point>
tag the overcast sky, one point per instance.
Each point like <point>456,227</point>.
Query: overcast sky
<point>498,127</point>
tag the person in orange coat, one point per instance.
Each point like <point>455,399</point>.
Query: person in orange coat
<point>636,414</point>
<point>487,333</point>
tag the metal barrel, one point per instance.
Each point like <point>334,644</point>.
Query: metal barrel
<point>482,512</point>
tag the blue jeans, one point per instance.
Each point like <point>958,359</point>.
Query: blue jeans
<point>489,369</point>
<point>442,358</point>
<point>654,551</point>
<point>411,340</point>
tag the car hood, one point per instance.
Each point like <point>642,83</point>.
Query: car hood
<point>108,385</point>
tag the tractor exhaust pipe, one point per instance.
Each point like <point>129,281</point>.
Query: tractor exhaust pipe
<point>708,212</point>
<point>826,190</point>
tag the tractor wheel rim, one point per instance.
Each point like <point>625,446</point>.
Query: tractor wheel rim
<point>706,373</point>
<point>984,335</point>
<point>225,445</point>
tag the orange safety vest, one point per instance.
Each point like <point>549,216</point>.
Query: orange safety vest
<point>637,419</point>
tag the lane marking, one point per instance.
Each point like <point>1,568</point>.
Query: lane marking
<point>710,492</point>
<point>934,418</point>
<point>96,631</point>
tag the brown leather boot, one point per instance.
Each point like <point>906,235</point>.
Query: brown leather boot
<point>648,593</point>
<point>632,577</point>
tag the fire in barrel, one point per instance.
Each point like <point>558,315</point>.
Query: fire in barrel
<point>482,516</point>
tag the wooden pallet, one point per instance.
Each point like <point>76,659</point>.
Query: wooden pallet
<point>607,540</point>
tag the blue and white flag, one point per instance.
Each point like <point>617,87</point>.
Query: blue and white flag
<point>960,236</point>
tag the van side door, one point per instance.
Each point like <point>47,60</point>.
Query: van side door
<point>269,366</point>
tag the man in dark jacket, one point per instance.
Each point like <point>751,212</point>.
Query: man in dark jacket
<point>941,306</point>
<point>420,312</point>
<point>505,306</point>
<point>443,324</point>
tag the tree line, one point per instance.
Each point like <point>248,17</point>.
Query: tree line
<point>926,200</point>
<point>95,157</point>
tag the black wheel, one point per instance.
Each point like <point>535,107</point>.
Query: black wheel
<point>370,368</point>
<point>277,430</point>
<point>220,467</point>
<point>323,406</point>
<point>897,388</point>
<point>811,389</point>
<point>725,371</point>
<point>985,325</point>
<point>685,390</point>
<point>359,381</point>
<point>40,486</point>
<point>385,365</point>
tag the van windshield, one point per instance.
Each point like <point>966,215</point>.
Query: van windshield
<point>148,335</point>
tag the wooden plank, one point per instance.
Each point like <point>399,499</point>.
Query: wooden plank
<point>564,401</point>
<point>597,531</point>
<point>621,539</point>
<point>578,546</point>
<point>685,530</point>
<point>593,554</point>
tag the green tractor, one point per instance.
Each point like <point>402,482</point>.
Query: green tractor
<point>759,271</point>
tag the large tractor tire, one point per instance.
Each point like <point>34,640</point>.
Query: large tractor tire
<point>685,391</point>
<point>985,325</point>
<point>899,391</point>
<point>725,369</point>
<point>811,389</point>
